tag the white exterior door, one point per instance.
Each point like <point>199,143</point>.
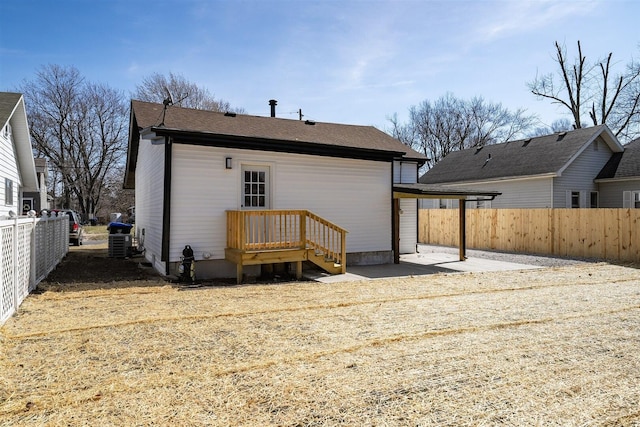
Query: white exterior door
<point>408,226</point>
<point>255,187</point>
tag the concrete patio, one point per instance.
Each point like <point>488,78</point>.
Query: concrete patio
<point>419,264</point>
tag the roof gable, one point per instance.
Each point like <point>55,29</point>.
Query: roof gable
<point>544,155</point>
<point>12,110</point>
<point>8,103</point>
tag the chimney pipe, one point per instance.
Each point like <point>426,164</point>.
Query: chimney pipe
<point>273,103</point>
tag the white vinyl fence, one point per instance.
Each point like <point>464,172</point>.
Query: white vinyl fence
<point>30,248</point>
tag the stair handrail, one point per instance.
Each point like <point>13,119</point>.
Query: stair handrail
<point>328,238</point>
<point>302,228</point>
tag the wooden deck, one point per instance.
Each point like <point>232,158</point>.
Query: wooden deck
<point>257,237</point>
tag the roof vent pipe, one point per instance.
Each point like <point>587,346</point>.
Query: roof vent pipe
<point>273,103</point>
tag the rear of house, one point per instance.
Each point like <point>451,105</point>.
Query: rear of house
<point>190,167</point>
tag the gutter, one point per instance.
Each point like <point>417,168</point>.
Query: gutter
<point>273,145</point>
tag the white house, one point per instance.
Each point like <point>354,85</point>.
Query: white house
<point>17,166</point>
<point>194,171</point>
<point>574,169</point>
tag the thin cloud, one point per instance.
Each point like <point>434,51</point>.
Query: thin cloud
<point>527,16</point>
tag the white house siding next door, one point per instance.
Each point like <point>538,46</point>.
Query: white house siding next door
<point>255,187</point>
<point>408,224</point>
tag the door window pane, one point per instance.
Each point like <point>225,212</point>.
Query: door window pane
<point>255,188</point>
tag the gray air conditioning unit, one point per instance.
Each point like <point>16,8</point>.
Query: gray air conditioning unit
<point>120,245</point>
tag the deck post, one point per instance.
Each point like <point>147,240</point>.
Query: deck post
<point>298,270</point>
<point>462,210</point>
<point>239,272</point>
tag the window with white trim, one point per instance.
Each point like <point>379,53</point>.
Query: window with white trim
<point>594,199</point>
<point>575,199</point>
<point>7,131</point>
<point>8,192</point>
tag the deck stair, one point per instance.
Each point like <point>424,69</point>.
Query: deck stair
<point>275,236</point>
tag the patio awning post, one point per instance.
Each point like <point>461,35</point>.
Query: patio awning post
<point>462,229</point>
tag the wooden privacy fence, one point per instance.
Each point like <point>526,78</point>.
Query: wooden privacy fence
<point>612,234</point>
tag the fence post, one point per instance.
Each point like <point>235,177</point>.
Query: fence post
<point>34,260</point>
<point>14,261</point>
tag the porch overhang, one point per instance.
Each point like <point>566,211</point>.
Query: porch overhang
<point>429,191</point>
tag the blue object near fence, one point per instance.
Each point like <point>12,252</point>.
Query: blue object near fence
<point>119,228</point>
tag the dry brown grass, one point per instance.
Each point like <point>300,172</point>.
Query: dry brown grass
<point>536,347</point>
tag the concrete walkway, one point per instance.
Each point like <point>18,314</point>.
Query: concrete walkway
<point>419,264</point>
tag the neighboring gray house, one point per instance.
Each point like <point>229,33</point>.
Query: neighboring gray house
<point>17,166</point>
<point>583,168</point>
<point>619,180</point>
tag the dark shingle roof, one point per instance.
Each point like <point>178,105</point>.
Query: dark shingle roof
<point>150,115</point>
<point>8,101</point>
<point>547,154</point>
<point>623,165</point>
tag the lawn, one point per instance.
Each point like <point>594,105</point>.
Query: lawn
<point>556,346</point>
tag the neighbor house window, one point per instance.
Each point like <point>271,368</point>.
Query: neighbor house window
<point>631,199</point>
<point>575,199</point>
<point>8,191</point>
<point>593,201</point>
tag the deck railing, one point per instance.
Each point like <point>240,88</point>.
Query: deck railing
<point>265,230</point>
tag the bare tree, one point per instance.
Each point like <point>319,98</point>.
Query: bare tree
<point>80,127</point>
<point>157,87</point>
<point>560,125</point>
<point>449,124</point>
<point>594,90</point>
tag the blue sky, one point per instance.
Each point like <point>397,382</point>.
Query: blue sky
<point>344,61</point>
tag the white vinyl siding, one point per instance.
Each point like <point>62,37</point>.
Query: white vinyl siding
<point>405,172</point>
<point>580,174</point>
<point>149,198</point>
<point>8,171</point>
<point>354,194</point>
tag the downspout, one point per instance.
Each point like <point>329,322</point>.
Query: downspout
<point>166,205</point>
